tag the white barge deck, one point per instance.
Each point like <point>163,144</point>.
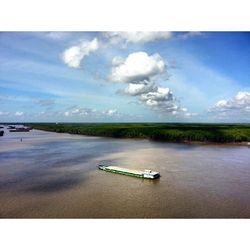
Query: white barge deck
<point>147,174</point>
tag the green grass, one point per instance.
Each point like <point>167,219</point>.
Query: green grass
<point>171,132</point>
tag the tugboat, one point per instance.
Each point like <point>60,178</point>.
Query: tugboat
<point>146,174</point>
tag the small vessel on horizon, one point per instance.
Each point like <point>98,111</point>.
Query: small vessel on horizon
<point>21,129</point>
<point>146,174</point>
<point>11,127</point>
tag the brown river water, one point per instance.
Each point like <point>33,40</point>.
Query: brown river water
<point>50,175</point>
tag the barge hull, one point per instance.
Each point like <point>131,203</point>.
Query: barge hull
<point>129,172</point>
<point>123,172</point>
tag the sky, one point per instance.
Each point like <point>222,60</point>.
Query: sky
<point>125,77</point>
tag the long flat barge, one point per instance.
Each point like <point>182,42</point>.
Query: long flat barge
<point>146,174</point>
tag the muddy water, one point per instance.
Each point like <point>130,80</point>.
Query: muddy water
<point>54,175</point>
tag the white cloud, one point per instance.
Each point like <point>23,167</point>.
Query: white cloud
<point>138,71</point>
<point>137,36</point>
<point>140,88</point>
<point>74,55</point>
<point>154,98</point>
<point>110,112</point>
<point>19,113</point>
<point>239,103</point>
<point>221,104</point>
<point>137,67</point>
<point>243,98</point>
<point>76,111</point>
<point>162,100</point>
<point>66,113</point>
<point>117,60</point>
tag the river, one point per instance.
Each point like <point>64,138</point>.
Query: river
<point>50,175</point>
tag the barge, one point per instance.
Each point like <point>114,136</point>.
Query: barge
<point>146,174</point>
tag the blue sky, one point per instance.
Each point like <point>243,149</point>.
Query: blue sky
<point>124,77</point>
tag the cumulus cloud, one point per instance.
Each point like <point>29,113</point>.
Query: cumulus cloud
<point>163,100</point>
<point>239,103</point>
<point>160,98</point>
<point>140,88</point>
<point>137,67</point>
<point>74,55</point>
<point>138,71</point>
<point>136,36</point>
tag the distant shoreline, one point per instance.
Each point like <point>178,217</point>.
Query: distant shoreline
<point>176,133</point>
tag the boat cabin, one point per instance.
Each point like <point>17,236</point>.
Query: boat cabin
<point>150,174</point>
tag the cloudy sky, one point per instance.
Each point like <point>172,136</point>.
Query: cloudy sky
<point>125,77</point>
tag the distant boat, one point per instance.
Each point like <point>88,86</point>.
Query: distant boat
<point>1,133</point>
<point>146,174</point>
<point>11,127</point>
<point>248,144</point>
<point>23,129</point>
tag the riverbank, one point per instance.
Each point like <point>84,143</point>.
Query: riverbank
<point>237,134</point>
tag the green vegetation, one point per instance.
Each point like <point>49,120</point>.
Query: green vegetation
<point>171,132</point>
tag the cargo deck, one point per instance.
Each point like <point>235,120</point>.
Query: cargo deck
<point>147,174</point>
